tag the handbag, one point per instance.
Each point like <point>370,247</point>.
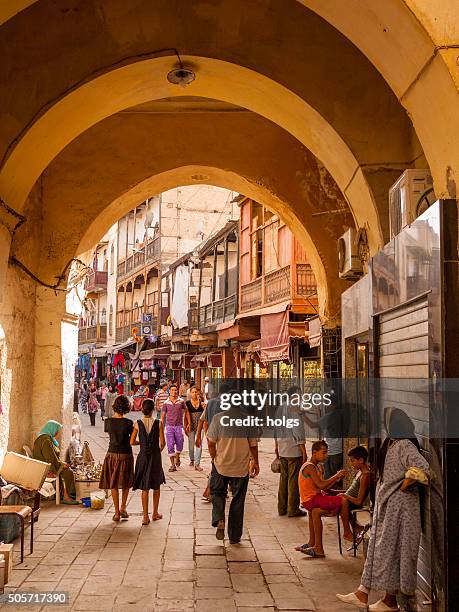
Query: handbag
<point>276,466</point>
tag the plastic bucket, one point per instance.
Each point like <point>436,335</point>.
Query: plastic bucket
<point>86,501</point>
<point>97,500</point>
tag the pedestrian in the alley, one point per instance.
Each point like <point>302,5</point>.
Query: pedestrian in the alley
<point>149,475</point>
<point>173,411</point>
<point>109,399</point>
<point>290,448</point>
<point>102,397</point>
<point>194,410</point>
<point>93,404</point>
<point>118,468</point>
<point>234,452</point>
<point>212,408</point>
<point>184,388</point>
<point>161,396</point>
<point>76,397</point>
<point>46,448</point>
<point>391,563</point>
<point>84,397</point>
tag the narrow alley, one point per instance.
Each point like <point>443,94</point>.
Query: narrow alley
<point>177,564</point>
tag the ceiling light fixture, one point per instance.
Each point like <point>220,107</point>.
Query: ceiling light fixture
<point>182,75</point>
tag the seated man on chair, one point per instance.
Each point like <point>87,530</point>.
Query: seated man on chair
<point>357,493</point>
<point>314,498</point>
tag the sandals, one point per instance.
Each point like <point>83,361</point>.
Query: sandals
<point>124,514</point>
<point>198,468</point>
<point>351,598</point>
<point>172,468</point>
<point>310,552</point>
<point>116,518</point>
<point>177,461</point>
<point>302,547</point>
<point>157,517</point>
<point>146,521</point>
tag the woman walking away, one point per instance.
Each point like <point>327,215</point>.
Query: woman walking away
<point>46,448</point>
<point>118,468</point>
<point>193,412</point>
<point>93,404</point>
<point>148,468</point>
<point>393,549</point>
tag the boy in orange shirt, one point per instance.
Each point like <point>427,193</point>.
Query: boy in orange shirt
<point>314,498</point>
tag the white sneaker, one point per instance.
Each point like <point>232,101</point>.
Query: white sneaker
<point>380,606</point>
<point>351,598</point>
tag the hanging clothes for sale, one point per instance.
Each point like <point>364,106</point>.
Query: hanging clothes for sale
<point>119,360</point>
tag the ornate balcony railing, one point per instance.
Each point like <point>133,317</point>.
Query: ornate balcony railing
<point>277,285</point>
<point>305,280</point>
<point>251,295</point>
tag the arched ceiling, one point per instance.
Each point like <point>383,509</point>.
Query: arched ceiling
<point>130,156</point>
<point>424,33</point>
<point>312,81</point>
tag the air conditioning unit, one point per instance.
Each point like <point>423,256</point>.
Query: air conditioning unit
<point>409,197</point>
<point>349,262</point>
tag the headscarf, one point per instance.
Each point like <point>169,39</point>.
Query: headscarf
<point>50,429</point>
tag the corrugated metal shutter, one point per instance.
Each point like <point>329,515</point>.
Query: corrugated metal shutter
<point>403,347</point>
<point>403,353</point>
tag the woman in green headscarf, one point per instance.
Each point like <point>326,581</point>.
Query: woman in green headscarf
<point>46,448</point>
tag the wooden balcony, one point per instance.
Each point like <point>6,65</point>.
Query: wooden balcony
<point>133,318</point>
<point>278,286</point>
<point>217,312</point>
<point>96,281</point>
<point>251,296</point>
<point>92,333</point>
<point>305,280</point>
<point>148,254</point>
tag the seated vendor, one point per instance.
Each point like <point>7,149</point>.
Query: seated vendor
<point>46,448</point>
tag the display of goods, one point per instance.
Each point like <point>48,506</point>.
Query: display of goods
<point>90,471</point>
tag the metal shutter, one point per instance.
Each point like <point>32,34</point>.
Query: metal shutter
<point>403,353</point>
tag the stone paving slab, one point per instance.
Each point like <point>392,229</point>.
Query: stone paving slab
<point>176,564</point>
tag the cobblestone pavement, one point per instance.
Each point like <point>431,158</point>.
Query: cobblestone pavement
<point>177,563</point>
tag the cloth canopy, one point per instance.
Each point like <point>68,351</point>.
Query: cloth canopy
<point>275,338</point>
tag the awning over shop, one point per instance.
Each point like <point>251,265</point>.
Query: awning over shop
<point>199,360</point>
<point>162,352</point>
<point>175,361</point>
<point>101,352</point>
<point>275,339</point>
<point>275,308</point>
<point>127,347</point>
<point>215,360</point>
